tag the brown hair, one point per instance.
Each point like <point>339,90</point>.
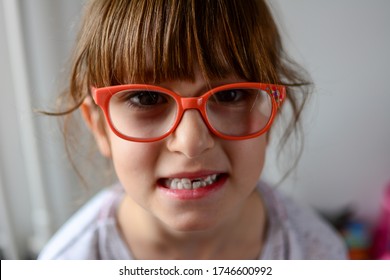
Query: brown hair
<point>150,41</point>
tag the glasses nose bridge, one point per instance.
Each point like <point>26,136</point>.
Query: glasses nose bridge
<point>192,103</point>
<point>196,103</point>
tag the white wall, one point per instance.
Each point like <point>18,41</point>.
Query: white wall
<point>38,186</point>
<point>345,46</point>
<point>343,43</point>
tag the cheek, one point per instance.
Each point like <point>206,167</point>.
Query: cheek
<point>135,163</point>
<point>247,158</point>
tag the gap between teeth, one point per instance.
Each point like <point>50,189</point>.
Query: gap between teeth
<point>187,184</point>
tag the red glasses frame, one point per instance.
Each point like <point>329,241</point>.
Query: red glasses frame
<point>102,97</point>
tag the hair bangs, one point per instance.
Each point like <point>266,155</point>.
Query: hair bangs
<point>153,41</point>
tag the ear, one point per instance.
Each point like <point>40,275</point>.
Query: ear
<point>95,123</point>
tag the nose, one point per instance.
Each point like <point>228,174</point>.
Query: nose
<point>192,136</point>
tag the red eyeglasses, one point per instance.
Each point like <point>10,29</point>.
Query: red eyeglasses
<point>148,113</point>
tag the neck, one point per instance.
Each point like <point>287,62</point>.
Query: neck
<point>239,237</point>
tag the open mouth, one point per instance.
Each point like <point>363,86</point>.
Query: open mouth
<point>191,184</point>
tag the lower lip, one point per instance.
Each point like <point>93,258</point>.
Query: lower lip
<point>194,194</point>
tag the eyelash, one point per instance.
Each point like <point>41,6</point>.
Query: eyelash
<point>155,96</point>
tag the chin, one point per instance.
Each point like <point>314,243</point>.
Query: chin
<point>193,227</point>
<point>191,223</point>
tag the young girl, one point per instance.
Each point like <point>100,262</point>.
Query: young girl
<point>180,96</point>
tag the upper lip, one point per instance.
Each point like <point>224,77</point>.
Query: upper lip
<point>194,175</point>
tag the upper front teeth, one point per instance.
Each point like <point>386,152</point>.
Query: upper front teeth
<point>187,184</point>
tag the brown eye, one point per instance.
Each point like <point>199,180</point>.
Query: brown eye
<point>229,96</point>
<point>146,98</point>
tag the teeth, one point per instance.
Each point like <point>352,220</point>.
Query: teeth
<point>174,183</point>
<point>187,184</point>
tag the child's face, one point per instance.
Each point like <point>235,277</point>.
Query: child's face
<point>229,169</point>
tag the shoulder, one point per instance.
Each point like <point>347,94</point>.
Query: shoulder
<point>306,235</point>
<point>78,237</point>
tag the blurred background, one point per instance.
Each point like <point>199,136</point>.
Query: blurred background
<point>343,172</point>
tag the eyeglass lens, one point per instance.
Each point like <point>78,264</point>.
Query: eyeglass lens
<point>144,114</point>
